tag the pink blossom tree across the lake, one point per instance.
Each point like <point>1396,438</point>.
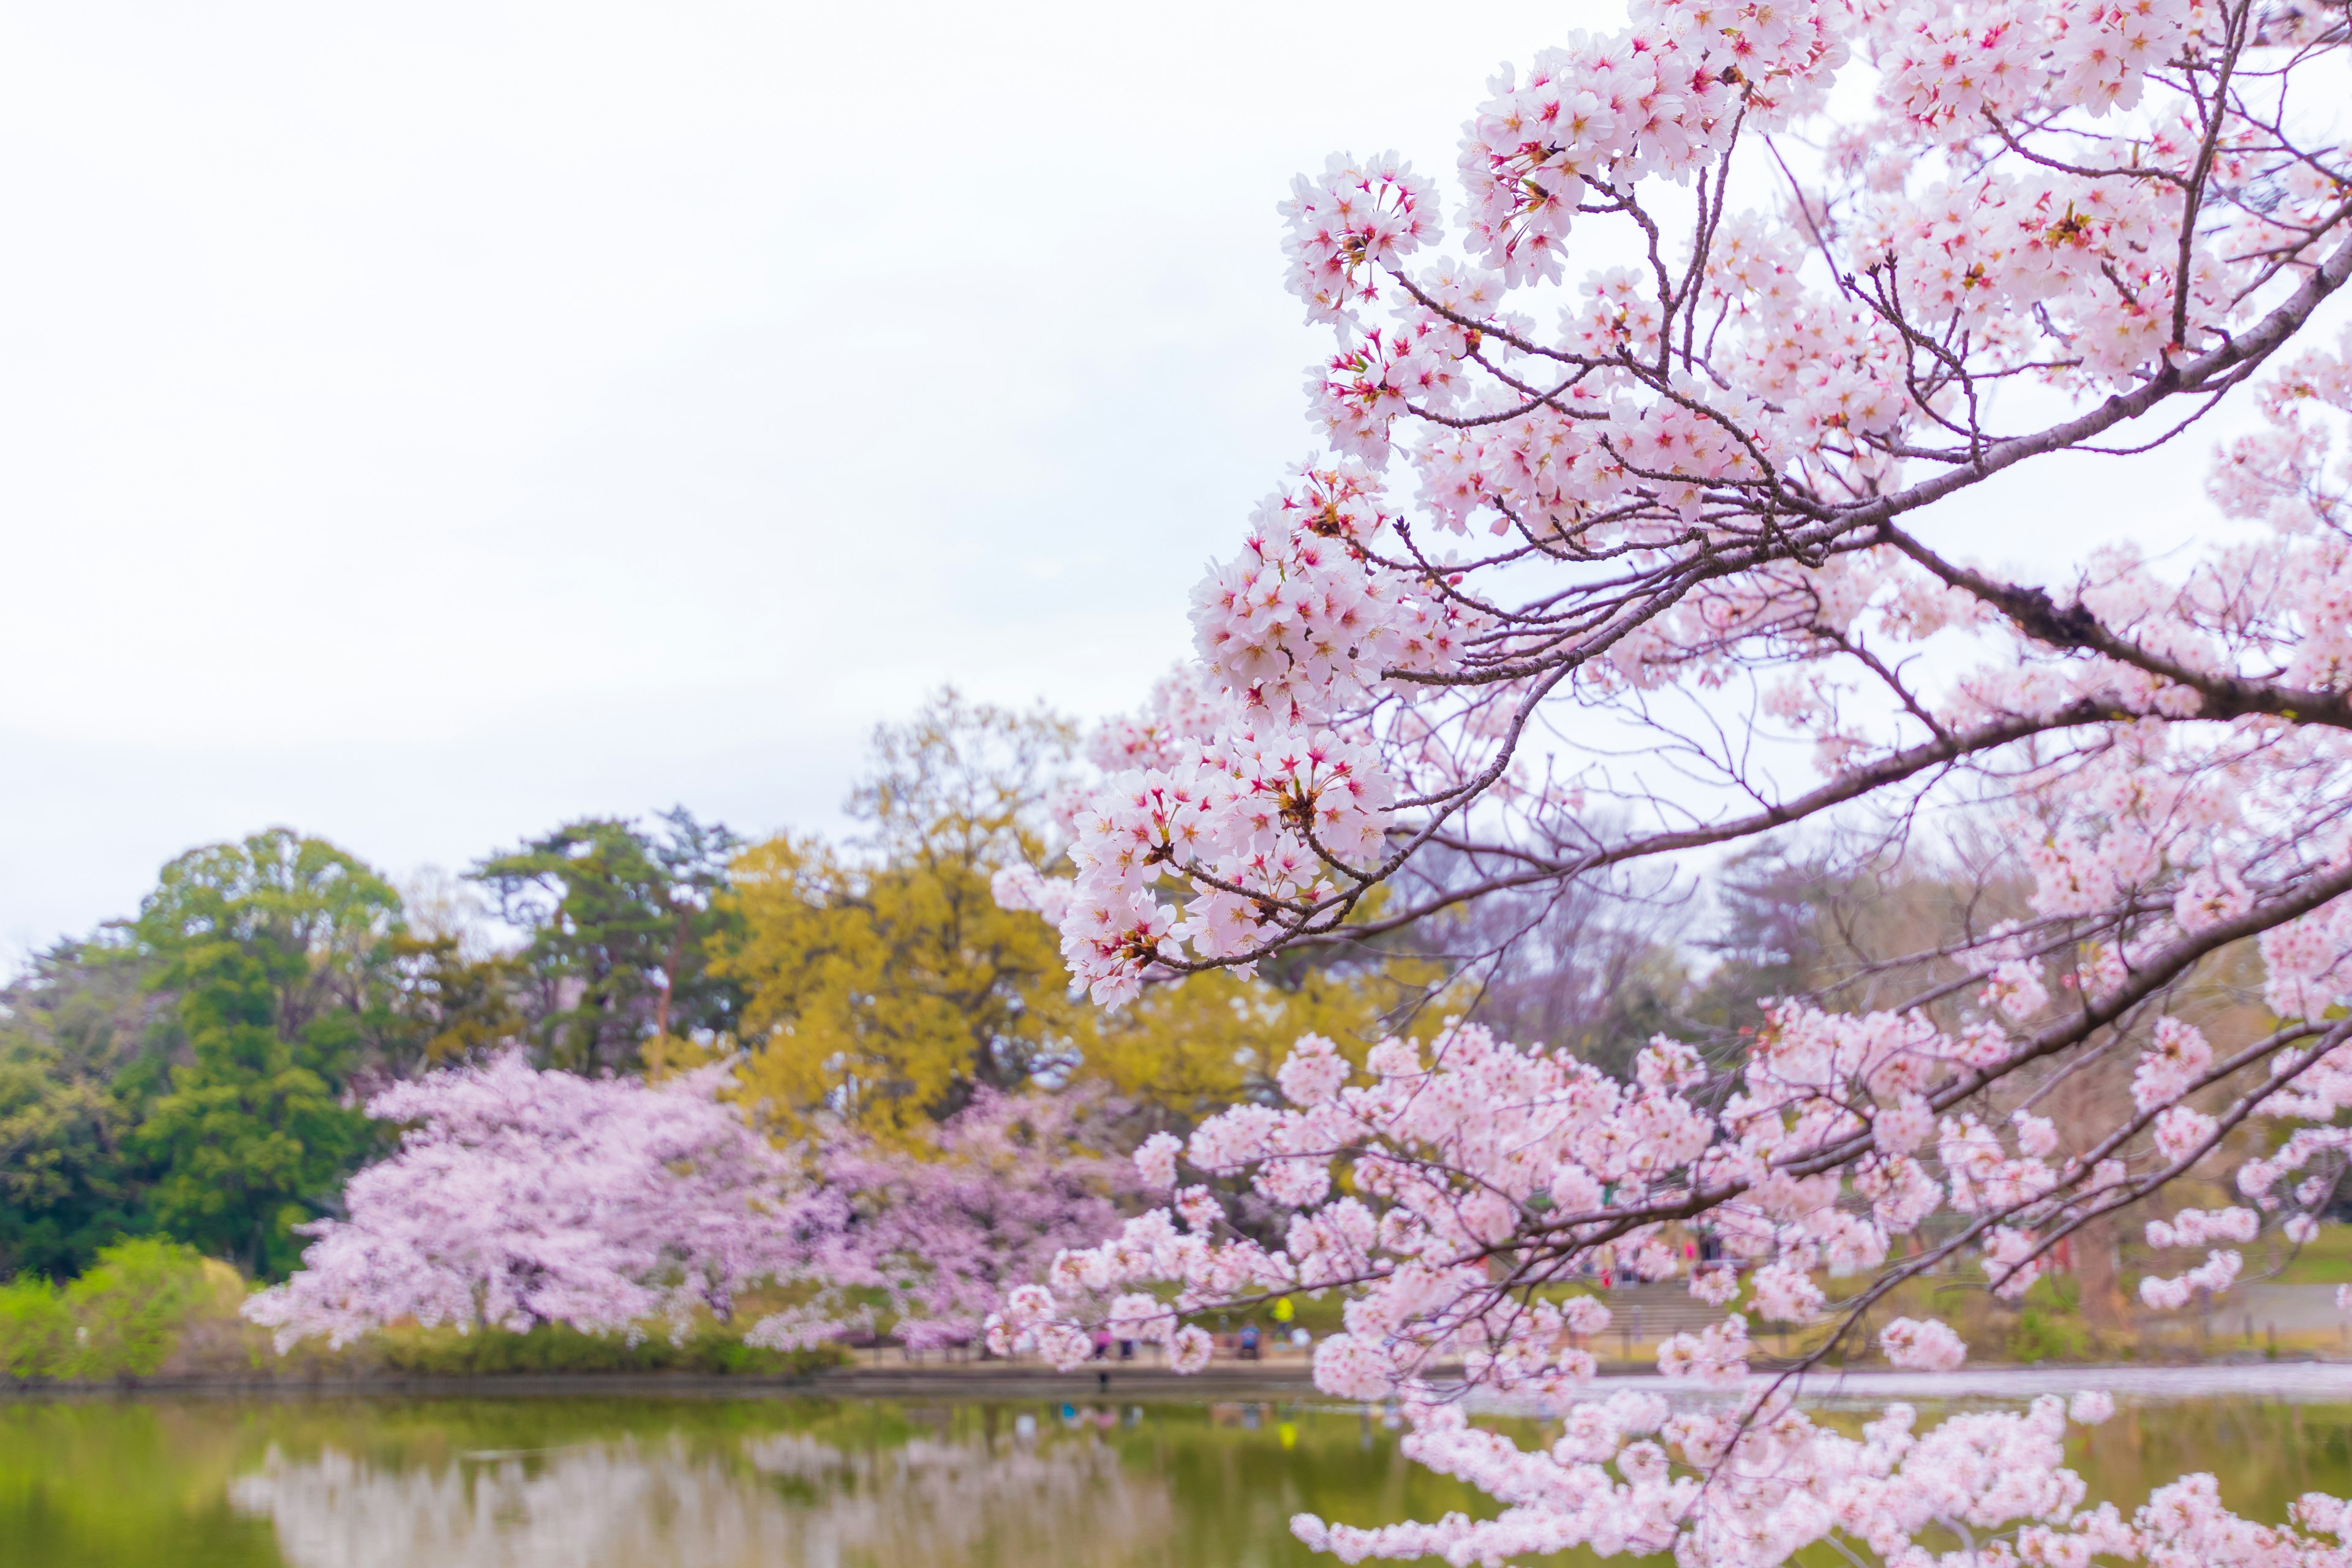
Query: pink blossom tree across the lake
<point>520,1198</point>
<point>1656,457</point>
<point>924,1243</point>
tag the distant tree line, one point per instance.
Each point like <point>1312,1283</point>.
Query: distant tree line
<point>194,1071</point>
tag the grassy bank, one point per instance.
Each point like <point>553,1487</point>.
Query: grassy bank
<point>152,1310</point>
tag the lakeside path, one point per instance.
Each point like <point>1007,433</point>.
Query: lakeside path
<point>2294,1382</point>
<point>2302,1381</point>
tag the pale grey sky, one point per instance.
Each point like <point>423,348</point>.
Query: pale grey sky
<point>422,424</point>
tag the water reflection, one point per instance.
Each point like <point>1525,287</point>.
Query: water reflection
<point>619,1483</point>
<point>626,1503</point>
<point>636,1483</point>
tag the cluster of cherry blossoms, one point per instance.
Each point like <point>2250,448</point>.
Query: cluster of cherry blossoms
<point>1754,1484</point>
<point>925,1243</point>
<point>520,1198</point>
<point>1461,1194</point>
<point>1297,625</point>
<point>1262,817</point>
<point>1479,1171</point>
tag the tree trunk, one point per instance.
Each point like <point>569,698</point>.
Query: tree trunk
<point>2099,1276</point>
<point>2077,1107</point>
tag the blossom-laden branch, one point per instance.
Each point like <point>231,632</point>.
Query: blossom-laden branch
<point>1727,465</point>
<point>1596,566</point>
<point>1459,1197</point>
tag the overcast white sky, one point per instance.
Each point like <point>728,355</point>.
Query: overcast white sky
<point>420,425</point>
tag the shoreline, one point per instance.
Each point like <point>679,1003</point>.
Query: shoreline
<point>2311,1381</point>
<point>1008,1382</point>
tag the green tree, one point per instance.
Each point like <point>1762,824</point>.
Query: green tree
<point>452,1003</point>
<point>316,923</point>
<point>249,1141</point>
<point>82,1038</point>
<point>460,992</point>
<point>621,922</point>
<point>279,951</point>
<point>66,1186</point>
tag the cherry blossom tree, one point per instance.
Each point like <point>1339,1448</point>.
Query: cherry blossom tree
<point>924,1243</point>
<point>520,1198</point>
<point>1838,264</point>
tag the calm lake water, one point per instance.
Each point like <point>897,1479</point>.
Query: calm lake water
<point>589,1482</point>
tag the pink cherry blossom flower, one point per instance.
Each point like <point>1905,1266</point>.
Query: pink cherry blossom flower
<point>1923,1344</point>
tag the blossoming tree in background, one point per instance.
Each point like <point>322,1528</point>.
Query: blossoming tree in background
<point>924,1243</point>
<point>521,1197</point>
<point>1656,455</point>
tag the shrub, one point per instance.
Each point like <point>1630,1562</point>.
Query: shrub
<point>128,1308</point>
<point>2048,1328</point>
<point>143,1300</point>
<point>554,1348</point>
<point>36,1332</point>
<point>122,1317</point>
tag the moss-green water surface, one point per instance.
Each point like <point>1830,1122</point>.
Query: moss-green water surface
<point>592,1482</point>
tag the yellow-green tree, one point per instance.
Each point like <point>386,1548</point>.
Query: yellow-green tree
<point>1184,1051</point>
<point>889,992</point>
<point>883,983</point>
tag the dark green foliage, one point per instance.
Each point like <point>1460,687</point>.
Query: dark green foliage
<point>276,950</point>
<point>248,1146</point>
<point>183,1072</point>
<point>197,1071</point>
<point>453,1006</point>
<point>83,1040</point>
<point>621,920</point>
<point>66,1186</point>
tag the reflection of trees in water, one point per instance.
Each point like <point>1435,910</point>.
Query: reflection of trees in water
<point>786,1500</point>
<point>933,1501</point>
